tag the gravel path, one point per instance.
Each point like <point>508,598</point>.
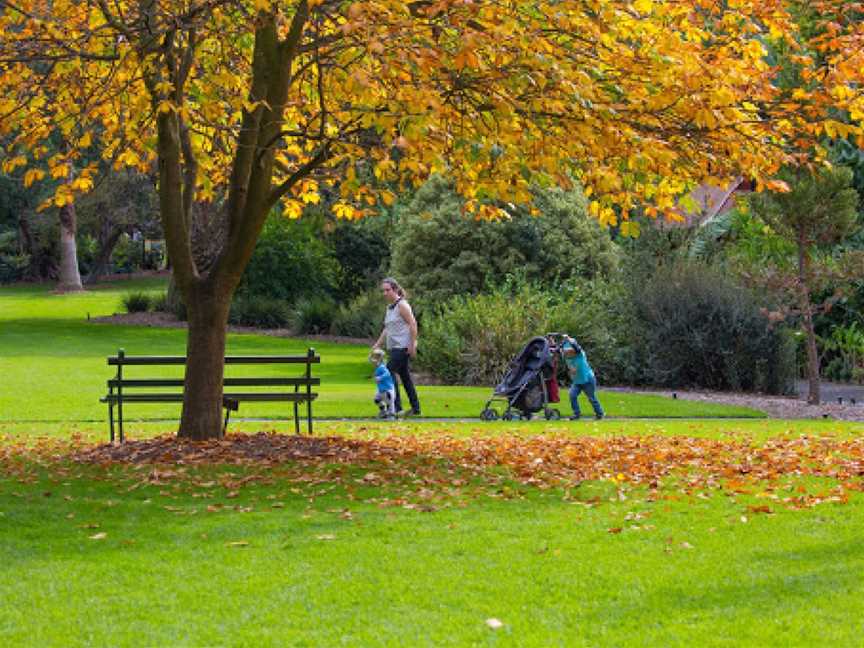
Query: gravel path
<point>774,406</point>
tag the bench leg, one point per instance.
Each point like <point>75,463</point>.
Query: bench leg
<point>225,425</point>
<point>111,420</point>
<point>296,418</point>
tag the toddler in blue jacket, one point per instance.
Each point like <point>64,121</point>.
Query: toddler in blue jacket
<point>385,394</point>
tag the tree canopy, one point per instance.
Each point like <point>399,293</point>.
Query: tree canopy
<point>637,99</point>
<point>246,103</point>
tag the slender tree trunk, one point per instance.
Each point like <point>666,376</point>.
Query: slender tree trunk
<point>205,354</point>
<point>814,396</point>
<point>107,243</point>
<point>70,278</point>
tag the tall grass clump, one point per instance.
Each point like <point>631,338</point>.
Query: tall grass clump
<point>136,302</point>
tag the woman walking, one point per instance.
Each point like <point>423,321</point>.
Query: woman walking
<point>400,337</point>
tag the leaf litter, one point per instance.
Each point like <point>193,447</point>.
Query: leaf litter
<point>435,467</point>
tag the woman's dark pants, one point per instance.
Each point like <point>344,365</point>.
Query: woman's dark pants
<point>398,366</point>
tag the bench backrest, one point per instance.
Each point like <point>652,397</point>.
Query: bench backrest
<point>122,360</point>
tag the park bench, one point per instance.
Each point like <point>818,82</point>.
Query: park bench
<point>123,390</point>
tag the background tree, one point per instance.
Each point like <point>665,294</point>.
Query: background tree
<point>123,202</point>
<point>818,213</point>
<point>441,251</point>
<point>253,102</point>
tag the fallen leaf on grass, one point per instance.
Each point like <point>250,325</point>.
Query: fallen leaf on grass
<point>615,530</point>
<point>495,624</point>
<point>99,536</point>
<point>325,536</point>
<point>764,508</point>
<point>237,543</point>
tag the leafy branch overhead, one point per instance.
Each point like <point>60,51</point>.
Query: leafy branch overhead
<point>638,100</point>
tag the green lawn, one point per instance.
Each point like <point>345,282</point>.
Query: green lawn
<point>116,556</point>
<point>56,360</point>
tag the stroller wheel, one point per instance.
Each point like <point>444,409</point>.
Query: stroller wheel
<point>551,414</point>
<point>508,416</point>
<point>488,414</point>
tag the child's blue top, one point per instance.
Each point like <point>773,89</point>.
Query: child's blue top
<point>579,367</point>
<point>383,378</point>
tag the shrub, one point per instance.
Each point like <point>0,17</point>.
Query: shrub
<point>13,266</point>
<point>290,261</point>
<point>362,253</point>
<point>598,314</point>
<point>439,251</point>
<point>258,311</point>
<point>314,314</point>
<point>127,255</point>
<point>362,317</point>
<point>137,302</point>
<point>701,330</point>
<point>159,303</point>
<point>471,340</point>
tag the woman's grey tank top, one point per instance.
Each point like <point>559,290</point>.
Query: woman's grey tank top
<point>396,328</point>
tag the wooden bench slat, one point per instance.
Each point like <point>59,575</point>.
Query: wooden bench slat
<point>180,360</point>
<point>228,382</point>
<point>178,398</point>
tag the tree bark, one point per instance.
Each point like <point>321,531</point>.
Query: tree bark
<point>70,277</point>
<point>814,396</point>
<point>205,357</point>
<point>108,238</point>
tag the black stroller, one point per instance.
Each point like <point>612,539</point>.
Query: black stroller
<point>530,383</point>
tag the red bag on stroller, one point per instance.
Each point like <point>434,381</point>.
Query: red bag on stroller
<point>552,383</point>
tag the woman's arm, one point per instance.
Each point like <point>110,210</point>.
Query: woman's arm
<point>408,315</point>
<point>380,339</point>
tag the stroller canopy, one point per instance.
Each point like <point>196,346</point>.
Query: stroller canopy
<point>533,359</point>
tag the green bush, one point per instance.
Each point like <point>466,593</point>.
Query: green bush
<point>127,255</point>
<point>261,312</point>
<point>362,253</point>
<point>440,252</point>
<point>314,314</point>
<point>159,303</point>
<point>471,340</point>
<point>599,315</point>
<point>362,317</point>
<point>701,330</point>
<point>137,302</point>
<point>13,266</point>
<point>290,261</point>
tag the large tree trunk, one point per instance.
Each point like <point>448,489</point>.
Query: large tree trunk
<point>205,353</point>
<point>814,396</point>
<point>70,278</point>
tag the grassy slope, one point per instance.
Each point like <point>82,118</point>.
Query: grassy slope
<point>56,361</point>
